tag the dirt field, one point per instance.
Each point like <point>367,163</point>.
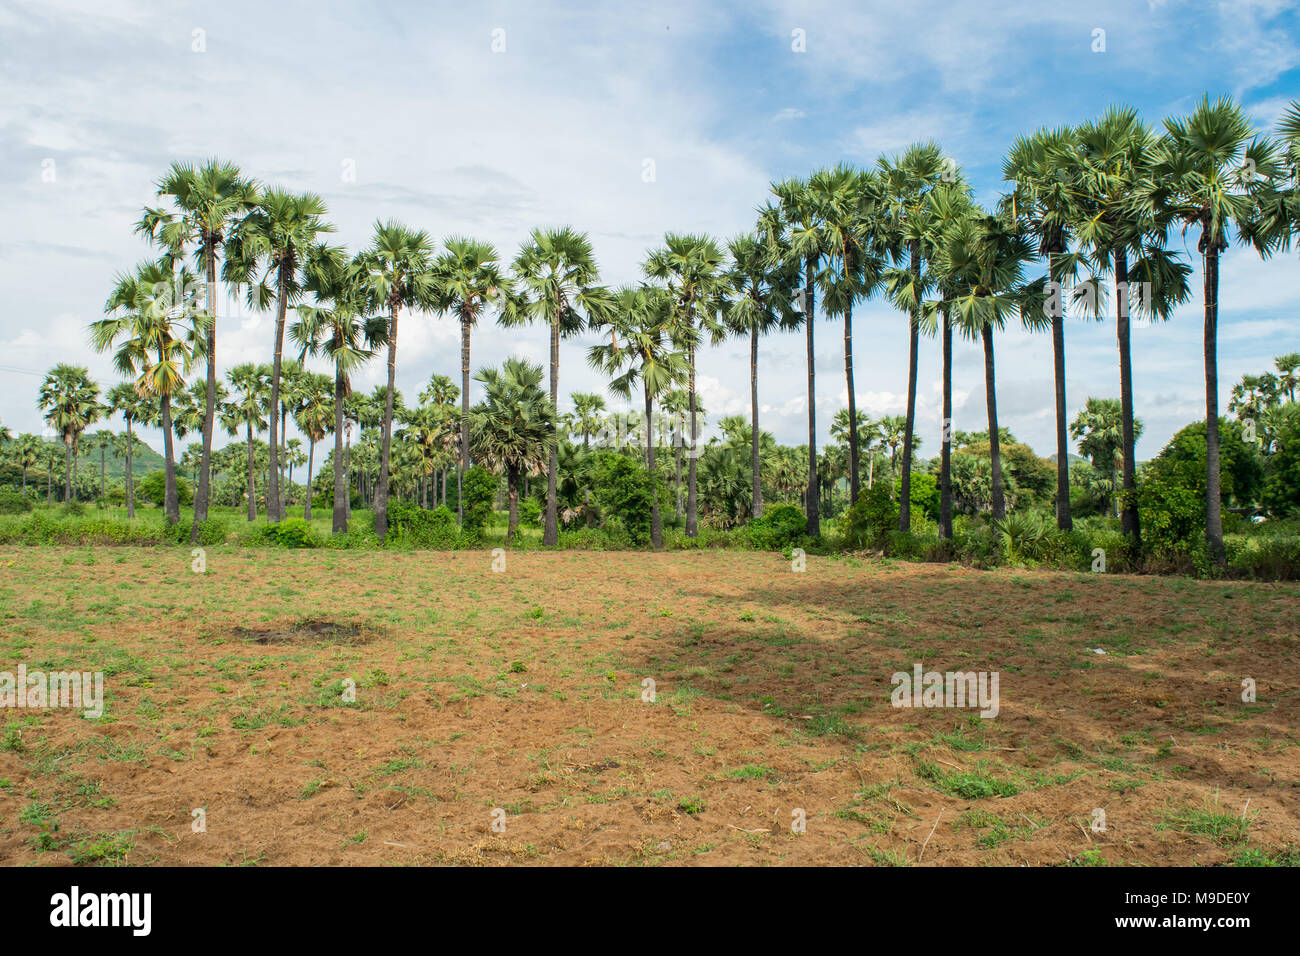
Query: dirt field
<point>516,697</point>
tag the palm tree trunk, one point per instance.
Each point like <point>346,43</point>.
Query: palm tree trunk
<point>381,492</point>
<point>252,480</point>
<point>1129,512</point>
<point>209,401</point>
<point>853,405</point>
<point>102,495</point>
<point>995,446</point>
<point>311,456</point>
<point>339,518</point>
<point>914,333</point>
<point>512,496</point>
<point>809,319</point>
<point>755,468</point>
<point>1213,502</point>
<point>692,491</point>
<point>464,418</point>
<point>49,482</point>
<point>656,521</point>
<point>130,479</point>
<point>273,511</point>
<point>551,534</point>
<point>67,470</point>
<point>945,463</point>
<point>171,500</point>
<point>347,466</point>
<point>1063,519</point>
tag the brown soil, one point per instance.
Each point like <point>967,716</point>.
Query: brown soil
<point>515,698</point>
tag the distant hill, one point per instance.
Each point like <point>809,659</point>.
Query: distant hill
<point>1070,458</point>
<point>143,460</point>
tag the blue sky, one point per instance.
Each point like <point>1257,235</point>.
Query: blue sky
<point>448,135</point>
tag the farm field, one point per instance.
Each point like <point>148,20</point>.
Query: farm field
<point>521,691</point>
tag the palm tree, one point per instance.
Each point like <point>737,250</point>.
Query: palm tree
<point>315,419</point>
<point>1099,429</point>
<point>642,347</point>
<point>336,327</point>
<point>1042,167</point>
<point>854,266</point>
<point>398,274</point>
<point>279,233</point>
<point>556,281</point>
<point>251,408</point>
<point>103,440</point>
<point>691,269</point>
<point>125,400</point>
<point>1211,173</point>
<point>27,455</point>
<point>893,430</point>
<point>1117,217</point>
<point>466,281</point>
<point>908,226</point>
<point>513,428</point>
<point>70,401</point>
<point>206,201</point>
<point>797,218</point>
<point>761,284</point>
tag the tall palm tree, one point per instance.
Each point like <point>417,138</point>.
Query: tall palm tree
<point>761,286</point>
<point>314,417</point>
<point>986,257</point>
<point>337,328</point>
<point>643,348</point>
<point>277,234</point>
<point>1044,200</point>
<point>1119,224</point>
<point>251,407</point>
<point>1099,429</point>
<point>690,267</point>
<point>124,400</point>
<point>398,274</point>
<point>798,219</point>
<point>70,401</point>
<point>27,455</point>
<point>466,282</point>
<point>1211,173</point>
<point>513,428</point>
<point>587,411</point>
<point>103,440</point>
<point>158,338</point>
<point>205,201</point>
<point>908,232</point>
<point>556,281</point>
<point>855,263</point>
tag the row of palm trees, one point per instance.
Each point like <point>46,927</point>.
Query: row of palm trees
<point>1096,204</point>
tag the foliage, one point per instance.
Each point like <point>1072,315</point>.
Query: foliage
<point>13,502</point>
<point>624,491</point>
<point>153,487</point>
<point>868,523</point>
<point>779,527</point>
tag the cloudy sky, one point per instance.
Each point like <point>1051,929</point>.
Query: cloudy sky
<point>487,119</point>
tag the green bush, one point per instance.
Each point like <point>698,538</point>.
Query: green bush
<point>869,522</point>
<point>418,527</point>
<point>1282,482</point>
<point>289,533</point>
<point>625,491</point>
<point>923,492</point>
<point>480,490</point>
<point>153,487</point>
<point>13,502</point>
<point>779,527</point>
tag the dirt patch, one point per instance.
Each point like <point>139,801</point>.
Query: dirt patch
<point>310,630</point>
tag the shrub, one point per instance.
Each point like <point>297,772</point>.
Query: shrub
<point>780,527</point>
<point>289,533</point>
<point>869,522</point>
<point>410,524</point>
<point>153,487</point>
<point>625,491</point>
<point>479,490</point>
<point>13,502</point>
<point>923,492</point>
<point>1282,484</point>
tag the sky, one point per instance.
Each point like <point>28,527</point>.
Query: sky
<point>626,121</point>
